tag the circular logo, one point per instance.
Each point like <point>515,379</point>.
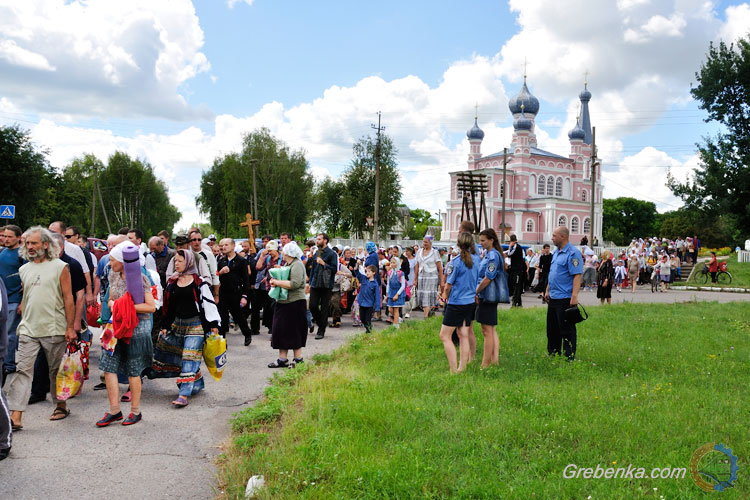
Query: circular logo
<point>491,267</point>
<point>575,262</point>
<point>713,467</point>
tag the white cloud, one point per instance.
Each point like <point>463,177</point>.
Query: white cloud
<point>232,3</point>
<point>125,58</point>
<point>738,23</point>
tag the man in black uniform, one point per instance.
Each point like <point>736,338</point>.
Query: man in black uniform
<point>234,289</point>
<point>517,270</point>
<point>545,260</point>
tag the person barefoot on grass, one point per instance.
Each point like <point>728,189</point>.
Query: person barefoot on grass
<point>459,295</point>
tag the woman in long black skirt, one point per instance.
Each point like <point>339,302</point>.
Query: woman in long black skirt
<point>606,278</point>
<point>289,330</point>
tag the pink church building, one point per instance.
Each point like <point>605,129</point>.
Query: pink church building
<point>545,190</point>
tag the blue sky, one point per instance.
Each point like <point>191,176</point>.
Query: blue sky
<point>179,82</point>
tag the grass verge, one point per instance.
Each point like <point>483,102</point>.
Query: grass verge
<point>383,418</point>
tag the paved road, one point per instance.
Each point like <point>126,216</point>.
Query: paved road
<point>170,453</point>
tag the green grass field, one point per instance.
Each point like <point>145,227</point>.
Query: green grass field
<point>740,275</point>
<point>383,418</point>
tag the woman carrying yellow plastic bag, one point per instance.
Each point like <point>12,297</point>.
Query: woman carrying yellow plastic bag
<point>215,355</point>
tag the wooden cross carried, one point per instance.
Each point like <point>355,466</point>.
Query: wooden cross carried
<point>250,224</point>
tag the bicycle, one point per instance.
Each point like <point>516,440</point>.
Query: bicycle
<point>723,277</point>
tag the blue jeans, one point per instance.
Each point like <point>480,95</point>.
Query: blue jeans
<point>9,363</point>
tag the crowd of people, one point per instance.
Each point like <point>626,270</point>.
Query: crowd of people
<point>194,286</point>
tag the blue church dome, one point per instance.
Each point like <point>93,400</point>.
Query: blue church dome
<point>475,132</point>
<point>585,95</point>
<point>523,123</point>
<point>525,98</point>
<point>577,132</point>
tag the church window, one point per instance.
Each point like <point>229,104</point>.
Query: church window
<point>574,225</point>
<point>540,187</point>
<point>586,225</point>
<point>532,184</point>
<point>558,187</point>
<point>583,195</point>
<point>550,185</point>
<point>562,221</point>
<point>529,226</point>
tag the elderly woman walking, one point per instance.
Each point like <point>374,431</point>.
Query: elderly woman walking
<point>188,314</point>
<point>634,267</point>
<point>428,276</point>
<point>289,329</point>
<point>132,358</point>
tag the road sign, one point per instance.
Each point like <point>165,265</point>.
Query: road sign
<point>369,221</point>
<point>7,211</point>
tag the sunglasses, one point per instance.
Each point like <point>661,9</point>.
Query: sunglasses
<point>196,239</point>
<point>68,236</point>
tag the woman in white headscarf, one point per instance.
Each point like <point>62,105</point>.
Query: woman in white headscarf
<point>289,330</point>
<point>131,357</point>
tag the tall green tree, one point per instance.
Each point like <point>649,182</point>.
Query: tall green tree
<point>722,180</point>
<point>283,183</point>
<point>328,203</point>
<point>420,220</point>
<point>31,184</point>
<point>628,218</point>
<point>359,179</point>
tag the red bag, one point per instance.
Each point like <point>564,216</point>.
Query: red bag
<point>92,314</point>
<point>344,300</point>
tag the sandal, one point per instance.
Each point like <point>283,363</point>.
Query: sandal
<point>15,427</point>
<point>180,402</point>
<point>279,363</point>
<point>126,397</point>
<point>59,413</point>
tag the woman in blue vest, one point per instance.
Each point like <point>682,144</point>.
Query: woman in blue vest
<point>460,295</point>
<point>487,302</point>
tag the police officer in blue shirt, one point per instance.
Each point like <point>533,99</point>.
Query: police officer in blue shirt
<point>562,293</point>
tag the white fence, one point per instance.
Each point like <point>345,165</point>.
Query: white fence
<point>743,256</point>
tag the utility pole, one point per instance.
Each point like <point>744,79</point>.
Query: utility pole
<point>377,181</point>
<point>93,203</point>
<point>505,167</point>
<point>104,210</point>
<point>594,163</point>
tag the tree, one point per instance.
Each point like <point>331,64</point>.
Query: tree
<point>630,217</point>
<point>722,180</point>
<point>714,232</point>
<point>283,182</point>
<point>358,201</point>
<point>328,204</point>
<point>30,182</point>
<point>420,220</point>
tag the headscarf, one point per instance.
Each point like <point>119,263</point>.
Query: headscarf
<point>272,245</point>
<point>292,250</point>
<point>371,247</point>
<point>116,252</point>
<point>189,265</point>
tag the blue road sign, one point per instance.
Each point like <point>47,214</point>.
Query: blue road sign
<point>7,211</point>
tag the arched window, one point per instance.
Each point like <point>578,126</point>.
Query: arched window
<point>532,184</point>
<point>550,185</point>
<point>558,187</point>
<point>562,221</point>
<point>586,225</point>
<point>529,226</point>
<point>540,186</point>
<point>583,195</point>
<point>574,225</point>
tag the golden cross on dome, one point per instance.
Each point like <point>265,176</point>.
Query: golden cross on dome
<point>476,110</point>
<point>525,63</point>
<point>586,78</point>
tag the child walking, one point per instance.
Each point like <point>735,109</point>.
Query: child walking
<point>368,294</point>
<point>620,273</point>
<point>395,287</point>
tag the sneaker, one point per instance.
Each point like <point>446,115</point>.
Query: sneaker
<point>109,418</point>
<point>132,419</point>
<point>407,315</point>
<point>100,386</point>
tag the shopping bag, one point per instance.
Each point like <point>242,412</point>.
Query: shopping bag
<point>215,355</point>
<point>279,273</point>
<point>108,339</point>
<point>70,374</point>
<point>92,313</point>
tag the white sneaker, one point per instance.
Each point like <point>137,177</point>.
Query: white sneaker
<point>406,315</point>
